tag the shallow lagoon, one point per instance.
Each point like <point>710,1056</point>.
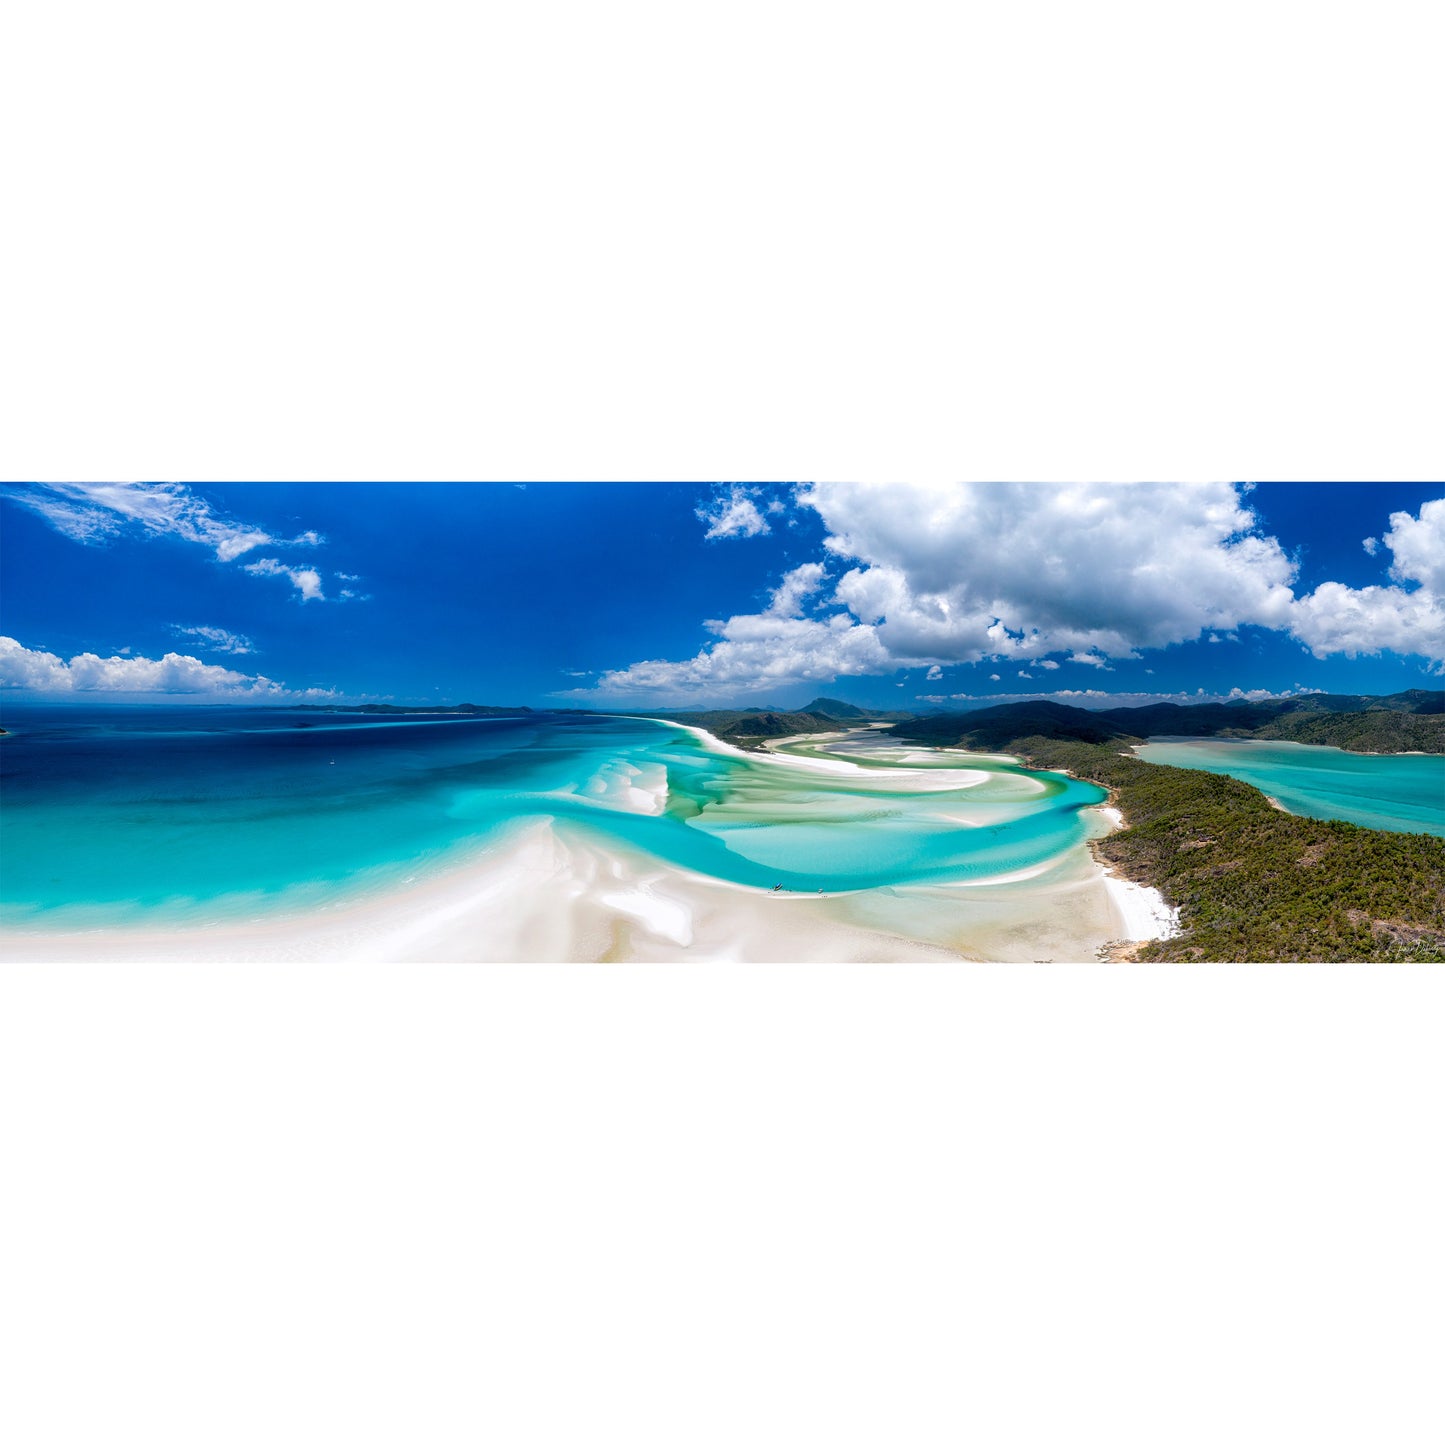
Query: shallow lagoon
<point>131,816</point>
<point>1396,792</point>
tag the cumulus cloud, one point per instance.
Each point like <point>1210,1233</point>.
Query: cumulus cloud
<point>796,585</point>
<point>1418,544</point>
<point>1407,618</point>
<point>217,638</point>
<point>93,512</point>
<point>933,576</point>
<point>1370,545</point>
<point>733,512</point>
<point>963,573</point>
<point>933,674</point>
<point>306,580</point>
<point>755,652</point>
<point>173,674</point>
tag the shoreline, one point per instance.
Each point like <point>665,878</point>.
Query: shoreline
<point>543,893</point>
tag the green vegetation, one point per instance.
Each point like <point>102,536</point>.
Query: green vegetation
<point>995,729</point>
<point>1375,731</point>
<point>846,712</point>
<point>1412,721</point>
<point>1253,884</point>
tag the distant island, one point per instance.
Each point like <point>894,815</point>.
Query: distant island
<point>391,709</point>
<point>1411,721</point>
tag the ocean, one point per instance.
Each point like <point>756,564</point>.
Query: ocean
<point>114,816</point>
<point>1396,792</point>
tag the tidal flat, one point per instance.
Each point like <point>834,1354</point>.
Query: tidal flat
<point>210,833</point>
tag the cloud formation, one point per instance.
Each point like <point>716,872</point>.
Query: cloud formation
<point>754,652</point>
<point>306,580</point>
<point>1406,618</point>
<point>1018,571</point>
<point>93,512</point>
<point>941,575</point>
<point>173,674</point>
<point>734,512</point>
<point>217,638</point>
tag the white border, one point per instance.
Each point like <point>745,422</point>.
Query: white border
<point>781,241</point>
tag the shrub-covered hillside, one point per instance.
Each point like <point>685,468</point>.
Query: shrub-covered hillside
<point>1254,884</point>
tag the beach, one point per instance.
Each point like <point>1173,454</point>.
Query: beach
<point>547,889</point>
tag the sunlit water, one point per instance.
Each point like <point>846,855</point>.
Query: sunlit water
<point>145,815</point>
<point>1396,792</point>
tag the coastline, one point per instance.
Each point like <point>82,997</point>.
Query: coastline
<point>545,893</point>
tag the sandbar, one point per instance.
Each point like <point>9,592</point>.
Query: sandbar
<point>550,892</point>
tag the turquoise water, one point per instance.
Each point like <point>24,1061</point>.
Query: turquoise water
<point>120,816</point>
<point>1399,793</point>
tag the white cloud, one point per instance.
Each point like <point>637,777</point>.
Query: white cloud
<point>754,652</point>
<point>91,512</point>
<point>1025,674</point>
<point>801,582</point>
<point>966,572</point>
<point>1404,619</point>
<point>1370,545</point>
<point>1024,574</point>
<point>733,513</point>
<point>993,677</point>
<point>1419,546</point>
<point>305,579</point>
<point>216,637</point>
<point>1335,618</point>
<point>933,674</point>
<point>175,673</point>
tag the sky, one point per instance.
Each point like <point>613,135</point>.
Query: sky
<point>624,597</point>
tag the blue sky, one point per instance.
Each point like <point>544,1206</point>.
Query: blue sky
<point>628,596</point>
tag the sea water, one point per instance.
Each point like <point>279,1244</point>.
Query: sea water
<point>146,815</point>
<point>1397,792</point>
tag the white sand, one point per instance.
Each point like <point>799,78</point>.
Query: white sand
<point>547,894</point>
<point>1142,911</point>
<point>537,897</point>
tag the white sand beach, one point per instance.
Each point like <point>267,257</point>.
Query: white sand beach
<point>543,893</point>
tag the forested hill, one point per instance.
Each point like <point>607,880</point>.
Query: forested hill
<point>846,712</point>
<point>1253,884</point>
<point>748,727</point>
<point>1375,731</point>
<point>992,729</point>
<point>1411,721</point>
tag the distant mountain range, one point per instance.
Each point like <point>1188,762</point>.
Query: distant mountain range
<point>1412,721</point>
